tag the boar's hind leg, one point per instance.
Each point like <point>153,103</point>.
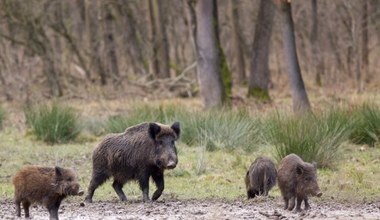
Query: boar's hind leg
<point>158,178</point>
<point>292,203</point>
<point>118,187</point>
<point>96,180</point>
<point>144,185</point>
<point>18,209</point>
<point>26,205</point>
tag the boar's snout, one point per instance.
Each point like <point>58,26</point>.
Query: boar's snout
<point>75,190</point>
<point>171,164</point>
<point>80,193</point>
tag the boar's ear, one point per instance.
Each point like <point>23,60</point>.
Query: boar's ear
<point>299,169</point>
<point>314,164</point>
<point>176,128</point>
<point>58,171</point>
<point>154,129</point>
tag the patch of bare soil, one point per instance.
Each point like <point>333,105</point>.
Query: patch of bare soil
<point>198,209</point>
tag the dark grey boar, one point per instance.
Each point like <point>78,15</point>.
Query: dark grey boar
<point>260,177</point>
<point>47,186</point>
<point>142,151</point>
<point>297,180</point>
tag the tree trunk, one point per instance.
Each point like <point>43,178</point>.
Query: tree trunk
<point>375,16</point>
<point>94,38</point>
<point>237,45</point>
<point>51,74</point>
<point>365,50</point>
<point>225,71</point>
<point>131,39</point>
<point>161,66</point>
<point>208,59</point>
<point>7,92</point>
<point>299,96</point>
<point>317,58</point>
<point>110,44</point>
<point>333,44</point>
<point>260,76</point>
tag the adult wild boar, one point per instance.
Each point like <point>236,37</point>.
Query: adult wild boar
<point>297,179</point>
<point>44,185</point>
<point>142,151</point>
<point>260,177</point>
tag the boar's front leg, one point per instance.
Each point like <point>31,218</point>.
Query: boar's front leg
<point>299,202</point>
<point>144,185</point>
<point>286,200</point>
<point>158,178</point>
<point>307,205</point>
<point>53,209</point>
<point>118,187</point>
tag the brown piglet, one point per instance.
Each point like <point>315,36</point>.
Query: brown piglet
<point>47,186</point>
<point>260,177</point>
<point>297,180</point>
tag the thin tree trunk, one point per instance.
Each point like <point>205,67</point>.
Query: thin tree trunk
<point>375,16</point>
<point>299,96</point>
<point>237,45</point>
<point>7,93</point>
<point>365,50</point>
<point>81,27</point>
<point>260,76</point>
<point>110,44</point>
<point>52,76</point>
<point>94,38</point>
<point>317,58</point>
<point>208,60</point>
<point>161,66</point>
<point>131,40</point>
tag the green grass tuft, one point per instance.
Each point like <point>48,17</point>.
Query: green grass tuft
<point>216,129</point>
<point>367,125</point>
<point>312,137</point>
<point>53,123</point>
<point>2,116</point>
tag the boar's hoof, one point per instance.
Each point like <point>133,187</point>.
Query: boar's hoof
<point>88,200</point>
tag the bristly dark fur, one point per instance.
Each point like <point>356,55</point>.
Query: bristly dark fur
<point>141,152</point>
<point>297,180</point>
<point>47,186</point>
<point>260,177</point>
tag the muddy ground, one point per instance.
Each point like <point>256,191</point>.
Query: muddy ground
<point>199,209</point>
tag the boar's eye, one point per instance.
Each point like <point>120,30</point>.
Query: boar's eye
<point>69,179</point>
<point>308,178</point>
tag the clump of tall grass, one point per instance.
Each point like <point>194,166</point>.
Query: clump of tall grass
<point>367,125</point>
<point>143,113</point>
<point>53,123</point>
<point>312,137</point>
<point>227,129</point>
<point>216,129</point>
<point>2,116</point>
